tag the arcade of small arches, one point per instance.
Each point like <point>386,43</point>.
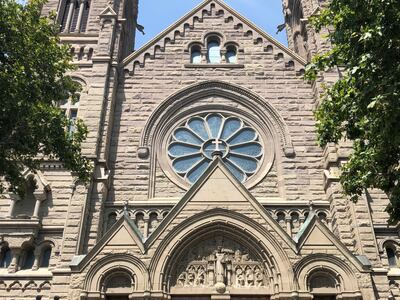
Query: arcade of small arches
<point>147,220</point>
<point>27,256</point>
<point>213,50</point>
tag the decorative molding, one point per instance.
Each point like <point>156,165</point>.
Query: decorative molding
<point>175,109</point>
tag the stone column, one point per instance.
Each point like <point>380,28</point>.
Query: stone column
<point>12,207</point>
<point>16,253</point>
<point>223,56</point>
<point>78,23</point>
<point>146,221</point>
<point>288,220</point>
<point>40,196</point>
<point>37,260</point>
<point>69,17</point>
<point>204,56</point>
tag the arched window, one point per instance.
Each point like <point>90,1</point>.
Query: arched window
<point>231,55</point>
<point>153,222</point>
<point>119,283</point>
<point>195,55</point>
<point>5,257</point>
<point>45,258</point>
<point>391,255</point>
<point>323,285</point>
<point>112,218</point>
<point>214,51</point>
<point>70,109</point>
<point>74,16</point>
<point>28,259</point>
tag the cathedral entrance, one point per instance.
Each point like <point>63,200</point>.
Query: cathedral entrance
<point>191,298</point>
<point>117,297</point>
<point>316,297</point>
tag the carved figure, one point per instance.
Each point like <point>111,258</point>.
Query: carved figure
<point>259,277</point>
<point>219,262</point>
<point>219,266</point>
<point>239,278</point>
<point>182,279</point>
<point>249,277</point>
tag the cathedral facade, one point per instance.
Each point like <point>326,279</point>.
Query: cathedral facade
<point>208,183</point>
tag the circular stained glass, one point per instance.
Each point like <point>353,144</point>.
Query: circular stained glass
<point>193,145</point>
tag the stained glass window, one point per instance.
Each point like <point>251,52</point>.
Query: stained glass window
<point>231,56</point>
<point>195,56</point>
<point>214,52</point>
<point>193,145</point>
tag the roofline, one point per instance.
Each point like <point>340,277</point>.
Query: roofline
<point>245,20</point>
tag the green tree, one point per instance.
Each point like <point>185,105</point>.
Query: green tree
<point>364,104</point>
<point>33,82</point>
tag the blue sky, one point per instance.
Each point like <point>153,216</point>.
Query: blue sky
<point>156,15</point>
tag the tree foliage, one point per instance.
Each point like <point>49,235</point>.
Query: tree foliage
<point>364,104</point>
<point>33,82</point>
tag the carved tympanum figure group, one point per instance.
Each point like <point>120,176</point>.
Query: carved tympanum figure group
<point>217,261</point>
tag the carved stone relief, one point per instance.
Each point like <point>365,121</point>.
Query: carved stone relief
<point>220,262</point>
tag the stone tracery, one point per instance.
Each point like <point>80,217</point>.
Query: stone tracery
<point>220,262</point>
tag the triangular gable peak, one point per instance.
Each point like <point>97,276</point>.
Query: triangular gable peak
<point>315,236</point>
<point>188,22</point>
<point>217,188</point>
<point>124,234</point>
<point>108,12</point>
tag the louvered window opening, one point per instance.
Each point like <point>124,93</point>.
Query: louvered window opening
<point>74,16</point>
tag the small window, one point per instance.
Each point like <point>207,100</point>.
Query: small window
<point>5,257</point>
<point>231,56</point>
<point>195,55</point>
<point>214,52</point>
<point>112,219</point>
<point>70,109</point>
<point>45,259</point>
<point>29,259</point>
<point>391,255</point>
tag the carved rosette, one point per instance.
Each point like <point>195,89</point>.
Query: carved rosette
<point>220,262</point>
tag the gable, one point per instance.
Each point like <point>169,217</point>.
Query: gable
<point>122,235</point>
<point>218,189</point>
<point>196,20</point>
<point>315,237</point>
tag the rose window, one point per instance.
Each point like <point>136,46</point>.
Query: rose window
<point>193,145</point>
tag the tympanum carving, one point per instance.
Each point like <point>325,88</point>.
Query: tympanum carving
<point>220,262</point>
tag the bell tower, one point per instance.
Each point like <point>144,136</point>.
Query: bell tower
<point>301,37</point>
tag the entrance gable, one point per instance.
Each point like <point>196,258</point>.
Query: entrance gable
<point>217,188</point>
